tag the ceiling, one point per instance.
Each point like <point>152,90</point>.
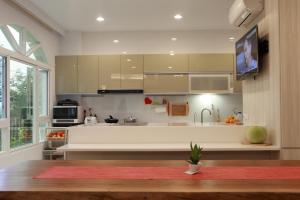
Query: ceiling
<point>137,15</point>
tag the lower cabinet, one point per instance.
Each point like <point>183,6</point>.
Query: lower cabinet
<point>166,84</point>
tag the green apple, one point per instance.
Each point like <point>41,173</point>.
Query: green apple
<point>257,135</point>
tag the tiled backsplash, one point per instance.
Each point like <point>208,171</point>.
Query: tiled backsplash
<point>123,106</point>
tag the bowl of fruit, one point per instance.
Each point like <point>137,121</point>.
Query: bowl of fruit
<point>232,120</point>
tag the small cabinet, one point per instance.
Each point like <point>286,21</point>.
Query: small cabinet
<point>132,72</point>
<point>164,63</point>
<point>66,72</point>
<point>166,84</point>
<point>110,72</point>
<point>211,63</point>
<point>88,74</point>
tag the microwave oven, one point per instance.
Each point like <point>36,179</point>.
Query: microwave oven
<point>67,115</point>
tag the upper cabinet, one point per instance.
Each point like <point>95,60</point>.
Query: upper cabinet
<point>132,72</point>
<point>88,74</point>
<point>165,63</point>
<point>66,72</point>
<point>166,84</point>
<point>211,63</point>
<point>110,72</point>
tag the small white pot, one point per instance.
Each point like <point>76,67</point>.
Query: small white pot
<point>194,168</point>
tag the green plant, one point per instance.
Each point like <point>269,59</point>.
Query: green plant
<point>196,153</point>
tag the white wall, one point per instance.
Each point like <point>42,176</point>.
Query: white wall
<point>11,14</point>
<point>123,106</point>
<point>139,42</point>
<point>261,97</point>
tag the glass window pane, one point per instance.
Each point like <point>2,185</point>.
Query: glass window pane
<point>31,41</point>
<point>42,131</point>
<point>39,55</point>
<point>43,92</point>
<point>21,103</point>
<point>4,42</point>
<point>2,87</point>
<point>1,145</point>
<point>16,32</point>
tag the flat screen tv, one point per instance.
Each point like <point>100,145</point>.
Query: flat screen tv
<point>247,55</point>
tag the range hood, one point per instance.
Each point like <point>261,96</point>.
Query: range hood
<point>131,91</point>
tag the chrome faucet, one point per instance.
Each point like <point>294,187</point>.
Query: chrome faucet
<point>204,109</point>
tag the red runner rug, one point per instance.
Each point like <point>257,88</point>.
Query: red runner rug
<point>169,173</point>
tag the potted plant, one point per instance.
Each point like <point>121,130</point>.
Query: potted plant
<point>196,153</point>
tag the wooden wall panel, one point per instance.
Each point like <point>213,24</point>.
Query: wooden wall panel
<point>261,97</point>
<point>290,72</point>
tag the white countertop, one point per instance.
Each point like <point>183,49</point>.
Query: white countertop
<point>184,124</point>
<point>167,147</point>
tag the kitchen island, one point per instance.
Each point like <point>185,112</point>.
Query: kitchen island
<point>162,141</point>
<point>20,182</point>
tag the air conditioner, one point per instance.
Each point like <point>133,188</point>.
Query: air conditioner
<point>243,12</point>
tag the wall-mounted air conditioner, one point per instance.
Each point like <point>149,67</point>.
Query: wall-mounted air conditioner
<point>243,12</point>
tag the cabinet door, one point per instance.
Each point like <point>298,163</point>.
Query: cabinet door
<point>206,63</point>
<point>164,63</point>
<point>110,72</point>
<point>166,84</point>
<point>66,74</point>
<point>88,74</point>
<point>132,72</point>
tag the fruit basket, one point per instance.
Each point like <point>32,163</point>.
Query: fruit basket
<point>56,137</point>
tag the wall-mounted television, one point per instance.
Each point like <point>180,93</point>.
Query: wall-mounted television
<point>247,55</point>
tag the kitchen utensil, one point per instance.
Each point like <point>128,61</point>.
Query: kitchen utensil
<point>111,120</point>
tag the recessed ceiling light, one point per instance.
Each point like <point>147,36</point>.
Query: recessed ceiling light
<point>174,39</point>
<point>231,38</point>
<point>178,16</point>
<point>116,41</point>
<point>100,19</point>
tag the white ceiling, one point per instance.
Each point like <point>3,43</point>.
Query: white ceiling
<point>137,15</point>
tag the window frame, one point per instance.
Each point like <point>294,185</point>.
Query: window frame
<point>5,122</point>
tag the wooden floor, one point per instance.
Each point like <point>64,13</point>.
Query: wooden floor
<point>17,183</point>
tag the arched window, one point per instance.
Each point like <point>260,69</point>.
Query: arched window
<point>19,39</point>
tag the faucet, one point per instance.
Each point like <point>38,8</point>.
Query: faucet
<point>202,111</point>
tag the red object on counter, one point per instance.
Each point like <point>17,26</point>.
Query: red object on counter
<point>169,173</point>
<point>148,100</point>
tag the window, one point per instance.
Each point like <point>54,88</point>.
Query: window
<point>2,87</point>
<point>42,131</point>
<point>43,92</point>
<point>17,38</point>
<point>21,103</point>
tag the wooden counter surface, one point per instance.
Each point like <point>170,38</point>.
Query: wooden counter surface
<point>17,183</point>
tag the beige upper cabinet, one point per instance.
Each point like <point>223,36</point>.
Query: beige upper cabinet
<point>110,72</point>
<point>132,71</point>
<point>165,63</point>
<point>166,84</point>
<point>211,63</point>
<point>88,74</point>
<point>66,72</point>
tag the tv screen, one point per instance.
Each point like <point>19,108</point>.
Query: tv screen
<point>247,54</point>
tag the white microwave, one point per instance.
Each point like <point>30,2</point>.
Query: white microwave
<point>67,114</point>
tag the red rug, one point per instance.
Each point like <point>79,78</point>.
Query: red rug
<point>169,173</point>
